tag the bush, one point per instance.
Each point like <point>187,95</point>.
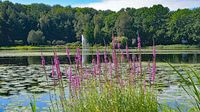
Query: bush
<point>18,42</point>
<point>35,37</point>
<point>58,42</point>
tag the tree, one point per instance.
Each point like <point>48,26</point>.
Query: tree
<point>124,26</point>
<point>35,37</point>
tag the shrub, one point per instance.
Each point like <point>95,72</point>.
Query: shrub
<point>35,37</point>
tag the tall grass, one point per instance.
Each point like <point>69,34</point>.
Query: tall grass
<point>110,98</point>
<point>190,82</point>
<point>115,84</point>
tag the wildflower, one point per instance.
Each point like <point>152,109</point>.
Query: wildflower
<point>139,41</point>
<point>122,56</point>
<point>110,69</point>
<point>105,55</point>
<point>57,65</point>
<point>52,71</point>
<point>43,60</point>
<point>98,61</point>
<point>127,52</point>
<point>149,70</point>
<point>113,41</point>
<point>154,64</point>
<point>69,72</point>
<point>68,53</point>
<point>118,45</point>
<point>94,67</point>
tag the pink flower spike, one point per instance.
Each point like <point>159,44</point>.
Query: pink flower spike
<point>105,55</point>
<point>113,41</point>
<point>154,63</point>
<point>110,69</point>
<point>122,56</point>
<point>149,70</point>
<point>144,86</point>
<point>98,61</point>
<point>68,53</point>
<point>127,52</point>
<point>94,67</point>
<point>43,59</point>
<point>118,45</point>
<point>69,73</point>
<point>52,71</point>
<point>139,41</point>
<point>154,52</point>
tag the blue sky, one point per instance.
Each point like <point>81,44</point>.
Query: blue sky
<point>116,5</point>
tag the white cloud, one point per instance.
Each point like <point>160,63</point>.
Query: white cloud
<point>116,5</point>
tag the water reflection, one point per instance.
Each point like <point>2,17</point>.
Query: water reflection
<point>30,60</point>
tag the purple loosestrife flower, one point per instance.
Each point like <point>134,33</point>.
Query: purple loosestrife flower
<point>68,53</point>
<point>98,62</point>
<point>57,65</point>
<point>43,59</point>
<point>149,70</point>
<point>154,63</point>
<point>114,57</point>
<point>144,86</point>
<point>137,66</point>
<point>127,52</point>
<point>73,82</point>
<point>77,82</point>
<point>110,71</point>
<point>139,58</point>
<point>76,61</point>
<point>133,68</point>
<point>69,72</point>
<point>122,56</point>
<point>86,74</point>
<point>52,71</point>
<point>113,41</point>
<point>94,67</point>
<point>139,41</point>
<point>78,56</point>
<point>105,55</point>
<point>118,45</point>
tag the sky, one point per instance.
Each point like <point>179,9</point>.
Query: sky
<point>116,5</point>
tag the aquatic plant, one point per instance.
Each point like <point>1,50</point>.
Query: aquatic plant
<point>116,86</point>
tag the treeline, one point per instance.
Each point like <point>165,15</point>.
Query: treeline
<point>41,24</point>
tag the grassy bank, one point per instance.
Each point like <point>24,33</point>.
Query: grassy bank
<point>175,47</point>
<point>159,47</point>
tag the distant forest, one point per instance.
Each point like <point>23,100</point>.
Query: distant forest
<point>40,24</point>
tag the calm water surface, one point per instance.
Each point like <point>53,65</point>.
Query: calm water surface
<point>22,76</point>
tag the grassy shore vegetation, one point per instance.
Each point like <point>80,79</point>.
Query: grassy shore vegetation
<point>190,82</point>
<point>74,46</point>
<point>117,84</point>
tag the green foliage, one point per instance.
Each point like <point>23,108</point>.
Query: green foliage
<point>68,24</point>
<point>35,37</point>
<point>58,42</point>
<point>33,104</point>
<point>114,99</point>
<point>190,82</point>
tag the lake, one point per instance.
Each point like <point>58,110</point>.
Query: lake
<point>21,76</point>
